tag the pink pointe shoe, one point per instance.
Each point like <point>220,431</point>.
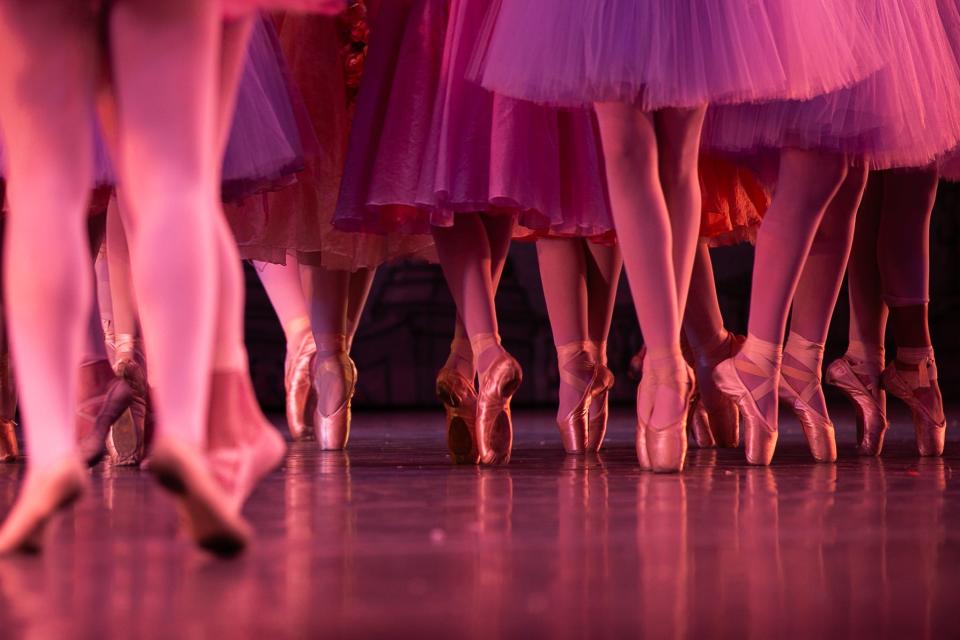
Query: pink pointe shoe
<point>921,392</point>
<point>818,428</point>
<point>869,398</point>
<point>664,448</point>
<point>300,395</point>
<point>102,400</point>
<point>128,439</point>
<point>333,429</point>
<point>9,448</point>
<point>498,383</point>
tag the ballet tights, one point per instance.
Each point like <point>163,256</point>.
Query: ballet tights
<point>889,265</point>
<point>49,161</point>
<point>168,159</point>
<point>579,285</point>
<point>652,173</point>
<point>808,182</point>
<point>819,288</point>
<point>467,251</point>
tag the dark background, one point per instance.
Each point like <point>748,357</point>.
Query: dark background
<point>406,329</point>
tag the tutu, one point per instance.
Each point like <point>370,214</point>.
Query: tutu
<point>321,53</point>
<point>682,53</point>
<point>906,114</point>
<point>950,14</point>
<point>734,201</point>
<point>428,144</point>
<point>239,8</point>
<point>264,149</point>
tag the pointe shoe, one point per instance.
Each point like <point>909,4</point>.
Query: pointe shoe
<point>300,395</point>
<point>103,399</point>
<point>127,440</point>
<point>666,445</point>
<point>242,446</point>
<point>760,437</point>
<point>207,509</point>
<point>459,398</point>
<point>643,457</point>
<point>718,426</point>
<point>599,408</point>
<point>929,422</point>
<point>9,448</point>
<point>868,398</point>
<point>333,430</point>
<point>45,492</point>
<point>817,427</point>
<point>574,427</point>
<point>498,383</point>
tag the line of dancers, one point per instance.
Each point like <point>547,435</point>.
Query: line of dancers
<point>154,145</point>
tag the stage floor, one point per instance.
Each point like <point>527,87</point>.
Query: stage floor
<point>390,540</point>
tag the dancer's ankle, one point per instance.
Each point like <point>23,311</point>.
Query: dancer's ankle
<point>866,358</point>
<point>486,349</point>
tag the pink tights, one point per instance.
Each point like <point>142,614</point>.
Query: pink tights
<point>580,287</point>
<point>652,173</point>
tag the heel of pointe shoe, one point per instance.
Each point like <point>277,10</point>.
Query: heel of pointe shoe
<point>300,393</point>
<point>213,524</point>
<point>574,426</point>
<point>930,429</point>
<point>459,400</point>
<point>494,428</point>
<point>597,425</point>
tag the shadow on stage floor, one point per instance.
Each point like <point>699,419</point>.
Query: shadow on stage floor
<point>389,540</point>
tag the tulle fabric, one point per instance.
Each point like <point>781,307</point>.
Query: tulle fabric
<point>682,53</point>
<point>297,220</point>
<point>906,114</point>
<point>950,15</point>
<point>239,8</point>
<point>265,147</point>
<point>428,143</point>
<point>733,202</point>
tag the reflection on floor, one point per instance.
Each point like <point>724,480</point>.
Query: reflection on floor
<point>389,540</point>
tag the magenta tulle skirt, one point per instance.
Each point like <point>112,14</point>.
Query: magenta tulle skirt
<point>681,53</point>
<point>428,144</point>
<point>904,115</point>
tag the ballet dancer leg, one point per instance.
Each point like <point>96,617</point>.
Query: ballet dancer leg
<point>604,264</point>
<point>465,250</point>
<point>656,259</point>
<point>165,59</point>
<point>242,445</point>
<point>334,373</point>
<point>813,305</point>
<point>715,419</point>
<point>857,373</point>
<point>47,66</point>
<point>808,181</point>
<point>904,258</point>
<point>283,287</point>
<point>563,272</point>
<point>358,290</point>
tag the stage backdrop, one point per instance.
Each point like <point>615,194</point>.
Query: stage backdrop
<point>406,329</point>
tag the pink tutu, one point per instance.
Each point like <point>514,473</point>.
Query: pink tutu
<point>906,114</point>
<point>428,143</point>
<point>950,14</point>
<point>682,53</point>
<point>322,54</point>
<point>239,8</point>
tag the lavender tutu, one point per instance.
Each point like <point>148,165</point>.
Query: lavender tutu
<point>683,53</point>
<point>906,114</point>
<point>428,144</point>
<point>265,147</point>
